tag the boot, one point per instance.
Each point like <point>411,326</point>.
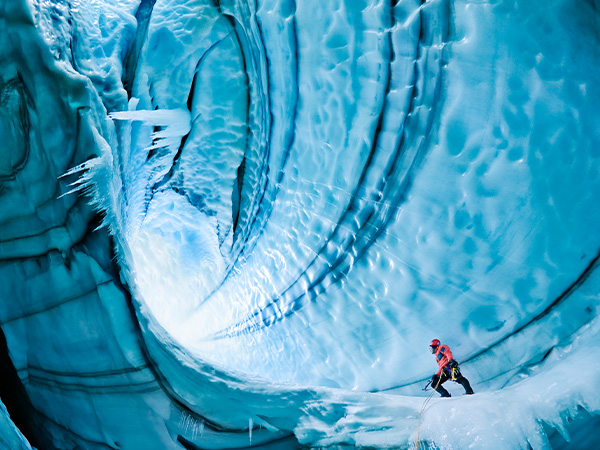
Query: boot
<point>443,392</point>
<point>465,383</point>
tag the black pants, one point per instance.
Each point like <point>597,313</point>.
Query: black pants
<point>438,381</point>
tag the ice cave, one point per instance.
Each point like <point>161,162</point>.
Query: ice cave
<point>238,224</point>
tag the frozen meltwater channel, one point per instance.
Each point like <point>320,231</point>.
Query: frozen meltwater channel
<point>175,248</point>
<point>432,182</point>
<point>282,203</point>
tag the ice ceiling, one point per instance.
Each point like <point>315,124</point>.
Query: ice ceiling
<point>238,224</point>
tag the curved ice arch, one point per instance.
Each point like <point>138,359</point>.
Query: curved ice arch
<point>495,283</point>
<point>291,253</point>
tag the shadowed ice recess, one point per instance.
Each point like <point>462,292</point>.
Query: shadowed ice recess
<point>238,224</point>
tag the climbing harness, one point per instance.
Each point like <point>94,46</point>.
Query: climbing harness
<point>455,373</point>
<point>454,370</point>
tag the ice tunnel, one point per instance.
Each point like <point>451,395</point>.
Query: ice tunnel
<point>238,224</point>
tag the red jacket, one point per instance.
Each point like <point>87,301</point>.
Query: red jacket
<point>443,356</point>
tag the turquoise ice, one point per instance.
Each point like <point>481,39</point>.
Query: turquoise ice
<point>239,223</point>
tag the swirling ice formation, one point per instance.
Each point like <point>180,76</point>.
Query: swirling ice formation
<point>299,196</point>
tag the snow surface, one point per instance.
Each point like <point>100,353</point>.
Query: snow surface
<point>242,222</point>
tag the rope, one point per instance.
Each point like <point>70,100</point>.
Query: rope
<point>425,403</point>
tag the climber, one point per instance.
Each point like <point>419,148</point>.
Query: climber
<point>449,369</point>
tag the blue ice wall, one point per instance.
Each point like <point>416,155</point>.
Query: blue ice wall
<point>239,224</point>
<point>10,436</point>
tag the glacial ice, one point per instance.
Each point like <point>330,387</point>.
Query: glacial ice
<point>10,436</point>
<point>238,223</point>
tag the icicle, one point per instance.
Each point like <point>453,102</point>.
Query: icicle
<point>250,429</point>
<point>189,424</point>
<point>176,122</point>
<point>83,183</point>
<point>185,421</point>
<point>77,169</point>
